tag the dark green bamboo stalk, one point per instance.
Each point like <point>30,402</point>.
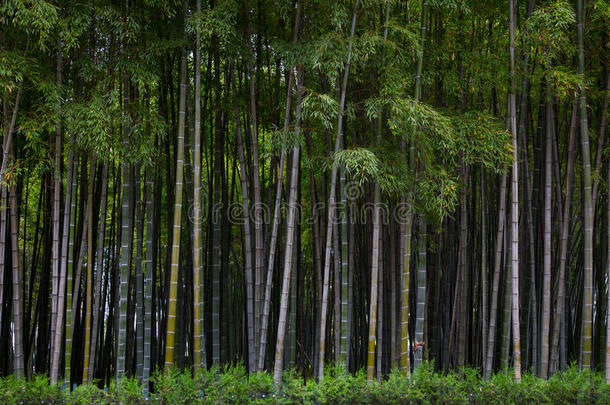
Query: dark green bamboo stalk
<point>587,311</point>
<point>170,345</point>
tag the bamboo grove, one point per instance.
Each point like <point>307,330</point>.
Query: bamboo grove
<point>295,184</point>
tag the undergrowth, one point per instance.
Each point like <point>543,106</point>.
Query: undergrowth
<point>233,385</point>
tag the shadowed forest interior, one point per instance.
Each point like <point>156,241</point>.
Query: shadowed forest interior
<point>290,184</point>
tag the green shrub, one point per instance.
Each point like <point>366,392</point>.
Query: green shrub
<point>260,388</point>
<point>296,390</point>
<point>174,387</point>
<point>498,390</point>
<point>233,385</point>
<point>126,391</point>
<point>400,390</point>
<point>36,390</point>
<point>575,386</point>
<point>87,394</point>
<point>339,387</point>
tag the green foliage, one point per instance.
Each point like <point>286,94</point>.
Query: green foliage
<point>577,386</point>
<point>87,394</point>
<point>96,120</point>
<point>361,164</point>
<point>281,138</point>
<point>481,139</point>
<point>547,31</point>
<point>439,140</point>
<point>126,391</point>
<point>233,385</point>
<point>13,67</point>
<point>217,22</point>
<point>436,192</point>
<point>565,81</point>
<point>74,22</point>
<point>93,121</point>
<point>459,5</point>
<point>35,17</point>
<point>174,387</point>
<point>320,109</point>
<point>15,390</point>
<point>339,387</point>
<point>410,119</point>
<point>394,176</point>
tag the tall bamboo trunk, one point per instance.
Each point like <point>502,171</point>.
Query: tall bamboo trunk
<point>372,337</point>
<point>461,303</point>
<point>601,142</point>
<point>546,284</point>
<point>18,358</point>
<point>317,260</point>
<point>4,224</point>
<point>608,288</point>
<point>288,256</point>
<point>262,346</point>
<point>125,251</point>
<point>420,317</point>
<point>394,267</point>
<point>370,364</point>
<point>515,201</point>
<point>522,131</point>
<point>405,280</point>
<point>407,201</point>
<point>89,288</point>
<point>292,313</point>
<point>264,318</point>
<point>148,278</point>
<point>170,347</point>
<point>139,279</point>
<point>380,344</point>
<point>69,264</point>
<point>375,343</point>
<point>124,266</point>
<point>331,201</point>
<point>3,242</point>
<point>350,278</point>
<point>256,190</point>
<point>78,300</point>
<point>563,244</point>
<point>290,225</point>
<point>55,359</point>
<point>532,253</point>
<point>484,271</point>
<point>247,232</point>
<point>99,269</point>
<point>587,308</point>
<point>198,333</point>
<point>506,317</point>
<point>56,208</point>
<point>345,296</point>
<point>493,311</point>
<point>337,289</point>
<point>216,214</point>
<point>8,155</point>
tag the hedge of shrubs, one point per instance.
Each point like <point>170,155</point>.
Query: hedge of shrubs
<point>232,385</point>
